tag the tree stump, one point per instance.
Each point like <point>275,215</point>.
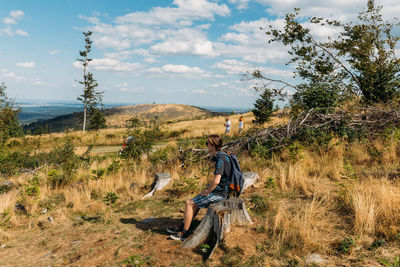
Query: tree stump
<point>249,178</point>
<point>218,219</point>
<point>160,181</point>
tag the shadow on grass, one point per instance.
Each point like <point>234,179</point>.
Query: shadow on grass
<point>157,225</point>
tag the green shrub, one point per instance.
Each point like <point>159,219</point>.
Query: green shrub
<point>5,218</point>
<point>395,263</point>
<point>110,198</point>
<point>55,178</point>
<point>98,173</point>
<point>347,244</point>
<point>32,188</point>
<point>142,143</point>
<point>137,260</point>
<point>258,203</point>
<point>65,158</point>
<point>113,167</point>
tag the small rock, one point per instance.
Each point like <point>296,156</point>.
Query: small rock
<point>19,207</point>
<point>3,246</point>
<point>50,219</point>
<point>147,220</point>
<point>314,258</point>
<point>7,183</point>
<point>76,241</point>
<point>78,218</point>
<point>44,211</point>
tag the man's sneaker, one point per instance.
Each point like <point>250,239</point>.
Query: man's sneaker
<point>179,236</point>
<point>176,229</point>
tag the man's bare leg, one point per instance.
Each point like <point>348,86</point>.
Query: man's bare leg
<point>191,210</point>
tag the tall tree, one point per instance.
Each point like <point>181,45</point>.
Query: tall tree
<point>90,97</point>
<point>9,123</point>
<point>264,107</point>
<point>360,61</point>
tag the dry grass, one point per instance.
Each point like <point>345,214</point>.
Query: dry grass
<point>302,228</point>
<point>321,197</point>
<point>375,203</point>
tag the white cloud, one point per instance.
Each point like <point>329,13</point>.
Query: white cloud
<point>150,60</point>
<point>15,15</point>
<point>54,52</point>
<point>8,31</point>
<point>202,92</point>
<point>108,64</point>
<point>124,87</point>
<point>178,71</point>
<point>9,74</point>
<point>182,69</point>
<point>183,14</point>
<point>21,32</point>
<point>30,64</point>
<point>186,41</point>
<point>235,67</point>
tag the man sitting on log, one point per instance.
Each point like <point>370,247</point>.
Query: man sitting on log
<point>216,191</point>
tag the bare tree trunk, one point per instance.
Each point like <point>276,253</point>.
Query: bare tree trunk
<point>160,181</point>
<point>84,117</point>
<point>218,219</point>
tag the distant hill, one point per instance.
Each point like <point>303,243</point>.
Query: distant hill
<point>117,117</point>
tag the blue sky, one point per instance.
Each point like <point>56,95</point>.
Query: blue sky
<point>170,51</point>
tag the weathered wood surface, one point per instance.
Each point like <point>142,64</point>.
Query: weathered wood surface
<point>218,219</point>
<point>160,181</point>
<point>250,178</point>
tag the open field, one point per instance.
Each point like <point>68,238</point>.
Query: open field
<point>340,202</point>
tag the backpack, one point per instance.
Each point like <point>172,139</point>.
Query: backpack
<point>236,180</point>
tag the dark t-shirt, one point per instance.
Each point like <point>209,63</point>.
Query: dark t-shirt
<point>223,167</point>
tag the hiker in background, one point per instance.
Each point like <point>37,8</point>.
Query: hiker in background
<point>227,126</point>
<point>216,191</point>
<point>240,125</point>
<point>128,140</point>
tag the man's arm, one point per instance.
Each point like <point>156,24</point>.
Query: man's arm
<point>212,185</point>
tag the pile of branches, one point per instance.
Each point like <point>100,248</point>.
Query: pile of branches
<point>370,121</point>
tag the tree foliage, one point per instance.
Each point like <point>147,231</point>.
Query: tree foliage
<point>9,123</point>
<point>97,120</point>
<point>90,97</point>
<point>360,61</point>
<point>264,107</point>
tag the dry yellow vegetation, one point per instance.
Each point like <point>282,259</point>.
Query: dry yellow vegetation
<point>339,202</point>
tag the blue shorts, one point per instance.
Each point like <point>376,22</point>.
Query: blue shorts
<point>205,201</point>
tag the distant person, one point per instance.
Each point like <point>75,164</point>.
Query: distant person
<point>240,125</point>
<point>216,191</point>
<point>128,140</point>
<point>227,125</point>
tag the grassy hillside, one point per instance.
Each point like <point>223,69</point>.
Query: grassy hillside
<point>118,117</point>
<point>339,201</point>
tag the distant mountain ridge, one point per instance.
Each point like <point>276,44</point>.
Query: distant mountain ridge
<point>117,117</point>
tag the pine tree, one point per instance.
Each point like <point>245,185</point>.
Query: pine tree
<point>90,97</point>
<point>264,107</point>
<point>97,120</point>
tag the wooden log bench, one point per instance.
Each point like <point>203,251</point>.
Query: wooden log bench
<point>217,221</point>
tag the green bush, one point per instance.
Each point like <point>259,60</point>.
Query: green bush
<point>65,158</point>
<point>110,198</point>
<point>55,178</point>
<point>142,143</point>
<point>347,244</point>
<point>113,167</point>
<point>32,187</point>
